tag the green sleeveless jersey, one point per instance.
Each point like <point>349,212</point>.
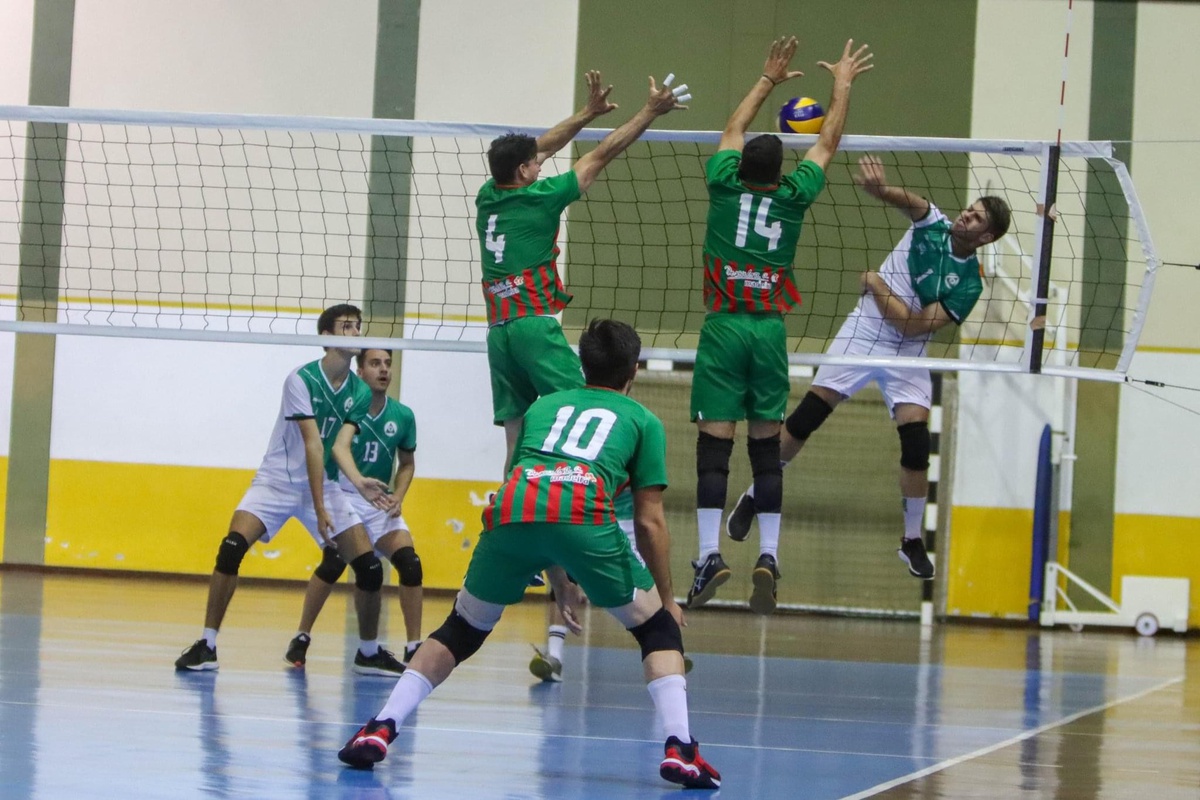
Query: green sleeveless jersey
<point>752,234</point>
<point>379,437</point>
<point>331,408</point>
<point>576,452</point>
<point>518,245</point>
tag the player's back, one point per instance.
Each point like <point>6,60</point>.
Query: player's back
<point>577,449</point>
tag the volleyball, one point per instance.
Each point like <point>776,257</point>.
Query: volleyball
<point>801,115</point>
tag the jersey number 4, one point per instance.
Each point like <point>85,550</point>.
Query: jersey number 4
<point>772,232</point>
<point>493,242</point>
<point>573,446</point>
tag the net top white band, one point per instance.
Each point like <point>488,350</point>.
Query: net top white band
<point>401,127</point>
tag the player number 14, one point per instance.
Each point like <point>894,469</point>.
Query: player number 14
<point>771,233</point>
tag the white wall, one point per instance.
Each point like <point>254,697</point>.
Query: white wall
<point>16,44</point>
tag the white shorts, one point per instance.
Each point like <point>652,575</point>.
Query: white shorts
<point>899,385</point>
<point>378,523</point>
<point>274,504</point>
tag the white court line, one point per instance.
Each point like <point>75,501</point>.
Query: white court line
<point>950,762</point>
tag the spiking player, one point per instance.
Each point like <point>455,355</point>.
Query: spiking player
<point>754,220</point>
<point>576,450</point>
<point>518,216</point>
<point>931,278</point>
<point>296,479</point>
<point>377,462</point>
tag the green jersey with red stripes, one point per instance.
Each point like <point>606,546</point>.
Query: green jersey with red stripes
<point>752,235</point>
<point>518,245</point>
<point>578,449</point>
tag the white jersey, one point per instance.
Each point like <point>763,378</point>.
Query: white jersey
<point>952,281</point>
<point>308,394</point>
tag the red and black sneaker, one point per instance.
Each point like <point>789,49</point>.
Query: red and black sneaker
<point>683,764</point>
<point>369,746</point>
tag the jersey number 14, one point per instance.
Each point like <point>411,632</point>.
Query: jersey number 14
<point>771,232</point>
<point>494,243</point>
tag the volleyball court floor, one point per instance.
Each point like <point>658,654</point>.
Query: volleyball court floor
<point>786,707</point>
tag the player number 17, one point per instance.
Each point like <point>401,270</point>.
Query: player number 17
<point>772,233</point>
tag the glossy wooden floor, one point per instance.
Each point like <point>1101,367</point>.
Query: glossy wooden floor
<point>790,707</point>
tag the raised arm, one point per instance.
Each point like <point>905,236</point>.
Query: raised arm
<point>873,181</point>
<point>661,101</point>
<point>561,134</point>
<point>847,68</point>
<point>775,71</point>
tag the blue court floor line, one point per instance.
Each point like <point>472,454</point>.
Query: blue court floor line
<point>950,762</point>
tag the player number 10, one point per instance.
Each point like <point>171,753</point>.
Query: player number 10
<point>572,446</point>
<point>771,233</point>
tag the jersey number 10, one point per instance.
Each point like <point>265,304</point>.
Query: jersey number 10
<point>772,232</point>
<point>585,451</point>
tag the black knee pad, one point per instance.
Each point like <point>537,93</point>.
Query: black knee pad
<point>768,474</point>
<point>660,632</point>
<point>231,552</point>
<point>408,565</point>
<point>460,637</point>
<point>914,445</point>
<point>368,572</point>
<point>331,567</point>
<point>808,416</point>
<point>712,470</point>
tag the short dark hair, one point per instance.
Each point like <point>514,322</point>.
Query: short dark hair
<point>609,352</point>
<point>329,315</point>
<point>999,215</point>
<point>762,160</point>
<point>361,355</point>
<point>508,152</point>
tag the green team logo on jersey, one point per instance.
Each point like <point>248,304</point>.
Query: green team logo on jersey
<point>937,276</point>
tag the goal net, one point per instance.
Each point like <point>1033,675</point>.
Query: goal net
<point>194,226</point>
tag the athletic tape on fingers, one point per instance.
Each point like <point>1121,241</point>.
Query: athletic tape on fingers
<point>680,89</point>
<point>669,79</point>
<point>683,98</point>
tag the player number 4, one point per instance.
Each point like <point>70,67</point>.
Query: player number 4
<point>771,233</point>
<point>493,242</point>
<point>573,446</point>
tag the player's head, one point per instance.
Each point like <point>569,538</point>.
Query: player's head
<point>609,352</point>
<point>375,368</point>
<point>762,160</point>
<point>340,320</point>
<point>985,221</point>
<point>513,159</point>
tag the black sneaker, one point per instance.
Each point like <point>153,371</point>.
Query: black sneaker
<point>197,657</point>
<point>369,746</point>
<point>297,650</point>
<point>737,524</point>
<point>410,651</point>
<point>382,663</point>
<point>710,574</point>
<point>766,574</point>
<point>683,764</point>
<point>687,664</point>
<point>912,552</point>
<point>536,580</point>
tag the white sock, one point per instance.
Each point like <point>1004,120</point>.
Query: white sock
<point>914,517</point>
<point>305,635</point>
<point>412,646</point>
<point>709,522</point>
<point>768,534</point>
<point>210,636</point>
<point>669,694</point>
<point>409,691</point>
<point>750,491</point>
<point>556,637</point>
<point>368,648</point>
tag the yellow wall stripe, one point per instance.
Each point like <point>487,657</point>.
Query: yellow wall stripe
<point>1165,547</point>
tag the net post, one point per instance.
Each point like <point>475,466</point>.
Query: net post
<point>1046,249</point>
<point>930,523</point>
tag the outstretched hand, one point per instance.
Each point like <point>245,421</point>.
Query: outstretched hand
<point>850,65</point>
<point>662,100</point>
<point>870,175</point>
<point>597,102</point>
<point>776,67</point>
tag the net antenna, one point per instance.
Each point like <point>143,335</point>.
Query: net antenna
<point>242,228</point>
